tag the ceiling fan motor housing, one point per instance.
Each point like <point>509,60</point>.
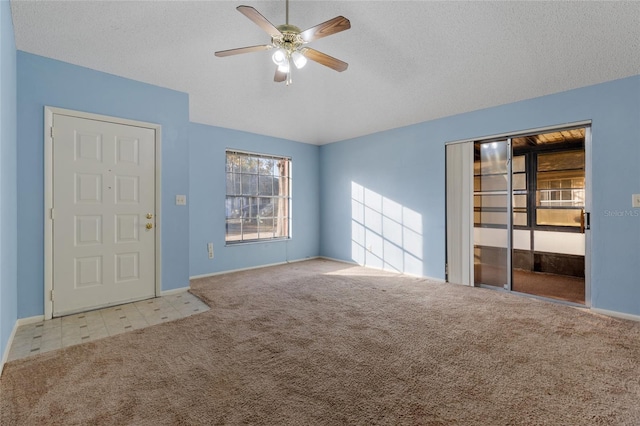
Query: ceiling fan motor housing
<point>290,39</point>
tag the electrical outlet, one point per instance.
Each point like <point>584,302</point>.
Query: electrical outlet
<point>181,200</point>
<point>210,250</point>
<point>635,200</point>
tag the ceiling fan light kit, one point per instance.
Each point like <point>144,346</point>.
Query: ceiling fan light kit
<point>289,42</point>
<point>299,60</point>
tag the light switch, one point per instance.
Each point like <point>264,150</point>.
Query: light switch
<point>635,201</point>
<point>181,200</point>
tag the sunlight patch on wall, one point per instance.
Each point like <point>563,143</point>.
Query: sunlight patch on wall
<point>384,233</point>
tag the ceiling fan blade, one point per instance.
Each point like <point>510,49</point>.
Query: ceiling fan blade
<point>280,76</point>
<point>260,20</point>
<point>332,26</point>
<point>240,50</point>
<point>324,59</point>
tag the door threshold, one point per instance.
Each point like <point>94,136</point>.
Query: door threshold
<point>534,296</point>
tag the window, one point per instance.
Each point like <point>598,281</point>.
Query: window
<point>547,181</point>
<point>490,183</point>
<point>560,198</point>
<point>258,202</point>
<point>554,169</point>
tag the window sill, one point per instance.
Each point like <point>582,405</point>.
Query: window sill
<point>244,243</point>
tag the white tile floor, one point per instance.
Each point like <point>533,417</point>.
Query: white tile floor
<point>44,336</point>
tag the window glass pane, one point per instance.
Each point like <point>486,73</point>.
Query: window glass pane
<point>233,184</point>
<point>490,201</point>
<point>232,163</point>
<point>265,166</point>
<point>491,158</point>
<point>281,207</point>
<point>233,207</point>
<point>282,167</point>
<point>265,185</point>
<point>266,228</point>
<point>493,218</point>
<point>491,183</point>
<point>265,208</point>
<point>281,186</point>
<point>520,201</point>
<point>518,165</point>
<point>276,185</point>
<point>250,210</point>
<point>249,230</point>
<point>281,228</point>
<point>519,181</point>
<point>561,160</point>
<point>248,164</point>
<point>234,230</point>
<point>249,184</point>
<point>570,198</point>
<point>519,218</point>
<point>558,217</point>
<point>559,179</point>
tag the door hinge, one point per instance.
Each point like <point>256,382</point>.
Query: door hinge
<point>446,269</point>
<point>51,296</point>
<point>51,214</point>
<point>51,131</point>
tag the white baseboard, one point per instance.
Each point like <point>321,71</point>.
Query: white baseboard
<point>616,314</point>
<point>348,262</point>
<point>213,274</point>
<point>29,320</point>
<point>351,262</point>
<point>173,291</point>
<point>5,355</point>
<point>18,323</point>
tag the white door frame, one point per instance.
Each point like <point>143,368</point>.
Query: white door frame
<point>48,194</point>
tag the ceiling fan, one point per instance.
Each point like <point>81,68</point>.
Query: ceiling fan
<point>289,42</point>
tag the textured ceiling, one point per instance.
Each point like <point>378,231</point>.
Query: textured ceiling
<point>409,61</point>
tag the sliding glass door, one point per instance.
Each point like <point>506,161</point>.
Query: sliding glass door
<point>490,213</point>
<point>529,213</point>
<point>549,239</point>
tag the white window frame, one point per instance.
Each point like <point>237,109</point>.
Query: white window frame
<point>243,209</point>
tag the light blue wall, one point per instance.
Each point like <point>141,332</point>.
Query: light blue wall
<point>406,166</point>
<point>398,175</point>
<point>8,142</point>
<point>46,82</point>
<point>207,199</point>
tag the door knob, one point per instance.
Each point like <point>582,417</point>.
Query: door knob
<point>149,225</point>
<point>149,216</point>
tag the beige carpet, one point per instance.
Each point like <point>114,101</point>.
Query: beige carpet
<point>321,342</point>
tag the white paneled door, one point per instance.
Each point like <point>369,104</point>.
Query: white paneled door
<point>103,214</point>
